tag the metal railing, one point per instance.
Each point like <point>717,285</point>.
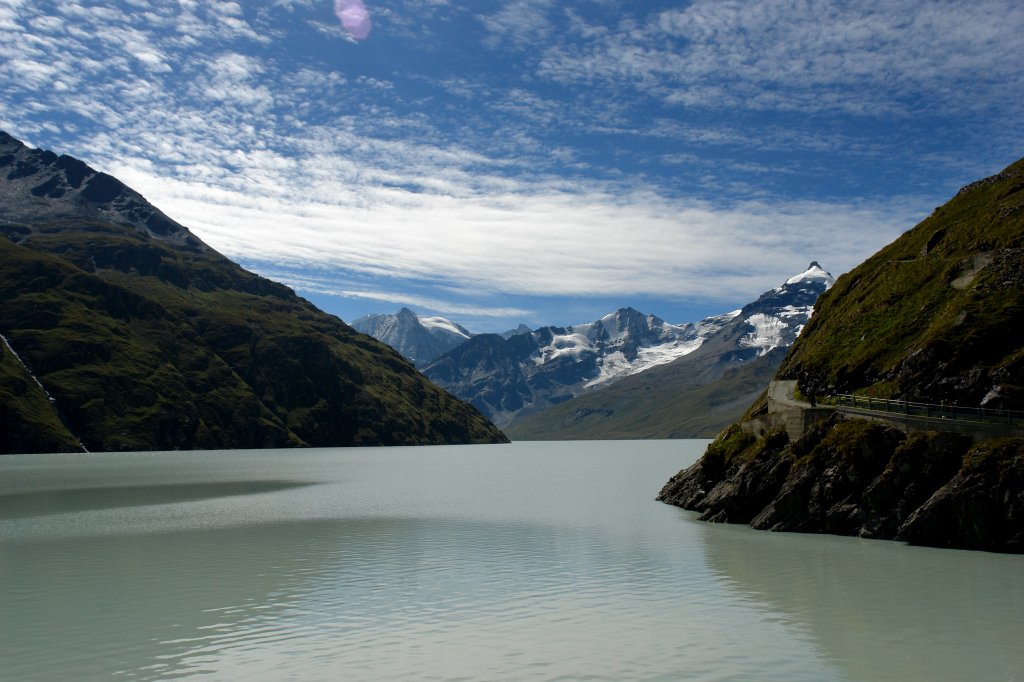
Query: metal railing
<point>982,415</point>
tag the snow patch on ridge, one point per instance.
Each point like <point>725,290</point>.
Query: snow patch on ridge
<point>768,333</point>
<point>616,366</point>
<point>572,343</point>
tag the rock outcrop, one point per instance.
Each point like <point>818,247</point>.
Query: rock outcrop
<point>856,477</point>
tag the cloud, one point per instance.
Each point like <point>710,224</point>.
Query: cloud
<point>326,284</point>
<point>230,77</point>
<point>519,23</point>
<point>867,58</point>
<point>611,152</point>
<point>526,240</point>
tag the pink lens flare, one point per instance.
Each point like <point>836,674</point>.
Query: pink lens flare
<point>354,17</point>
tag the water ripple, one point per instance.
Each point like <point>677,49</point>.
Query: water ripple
<point>400,566</point>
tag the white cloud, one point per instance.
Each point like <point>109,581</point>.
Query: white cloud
<point>863,57</point>
<point>529,241</point>
<point>519,22</point>
<point>326,285</point>
<point>32,73</point>
<point>314,162</point>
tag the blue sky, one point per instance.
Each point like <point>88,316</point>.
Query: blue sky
<point>528,160</point>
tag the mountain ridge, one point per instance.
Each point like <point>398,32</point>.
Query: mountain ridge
<point>147,339</point>
<point>511,379</point>
<point>529,371</point>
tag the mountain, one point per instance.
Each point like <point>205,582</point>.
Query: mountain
<point>123,331</point>
<point>521,329</point>
<point>506,376</point>
<point>700,393</point>
<point>419,339</point>
<point>931,318</point>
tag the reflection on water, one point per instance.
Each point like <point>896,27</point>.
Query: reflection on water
<point>883,610</point>
<point>531,561</point>
<point>44,502</point>
<point>372,599</point>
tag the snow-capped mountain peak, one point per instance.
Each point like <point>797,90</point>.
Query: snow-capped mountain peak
<point>522,371</point>
<point>778,316</point>
<point>813,275</point>
<point>421,339</point>
<point>621,343</point>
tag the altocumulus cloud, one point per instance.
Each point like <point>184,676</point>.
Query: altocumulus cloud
<point>569,148</point>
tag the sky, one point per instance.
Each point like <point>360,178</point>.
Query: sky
<point>526,161</point>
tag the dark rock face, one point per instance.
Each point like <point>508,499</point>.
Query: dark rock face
<point>40,186</point>
<point>854,477</point>
<point>823,492</point>
<point>920,465</point>
<point>488,372</point>
<point>981,507</point>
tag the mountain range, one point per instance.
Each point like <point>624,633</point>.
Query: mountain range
<point>698,394</point>
<point>121,330</point>
<point>552,382</point>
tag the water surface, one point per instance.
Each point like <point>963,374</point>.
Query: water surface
<point>530,561</point>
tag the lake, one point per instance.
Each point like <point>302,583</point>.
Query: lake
<point>529,561</point>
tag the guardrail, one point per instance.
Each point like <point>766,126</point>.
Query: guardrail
<point>983,415</point>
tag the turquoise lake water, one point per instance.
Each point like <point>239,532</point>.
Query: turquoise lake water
<point>529,561</point>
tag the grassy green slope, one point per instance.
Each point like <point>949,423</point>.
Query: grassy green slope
<point>27,419</point>
<point>934,315</point>
<point>145,345</point>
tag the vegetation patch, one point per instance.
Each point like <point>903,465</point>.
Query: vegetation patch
<point>145,344</point>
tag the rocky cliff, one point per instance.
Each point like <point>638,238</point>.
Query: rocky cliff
<point>932,317</point>
<point>856,477</point>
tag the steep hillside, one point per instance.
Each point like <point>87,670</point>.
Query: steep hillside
<point>145,338</point>
<point>28,419</point>
<point>932,317</point>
